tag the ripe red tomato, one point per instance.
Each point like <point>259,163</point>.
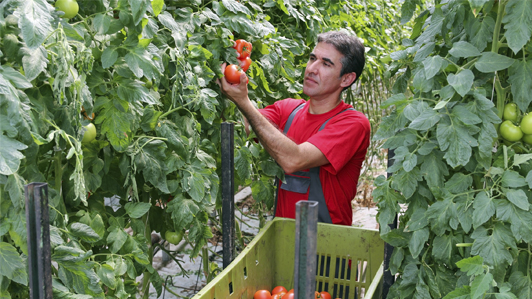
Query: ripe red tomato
<point>325,295</point>
<point>232,73</point>
<point>262,294</point>
<point>243,48</point>
<point>278,295</point>
<point>511,132</point>
<point>245,63</point>
<point>289,295</point>
<point>279,289</point>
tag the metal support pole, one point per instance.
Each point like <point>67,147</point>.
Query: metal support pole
<point>228,193</point>
<point>306,249</point>
<point>388,278</point>
<point>39,252</point>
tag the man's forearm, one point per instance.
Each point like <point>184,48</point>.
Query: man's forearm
<point>281,148</point>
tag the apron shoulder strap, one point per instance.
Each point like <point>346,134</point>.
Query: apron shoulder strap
<point>291,117</point>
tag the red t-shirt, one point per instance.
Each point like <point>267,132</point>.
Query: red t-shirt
<point>343,141</point>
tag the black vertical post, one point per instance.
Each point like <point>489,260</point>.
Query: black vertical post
<point>228,193</point>
<point>306,249</point>
<point>39,252</point>
<point>388,278</point>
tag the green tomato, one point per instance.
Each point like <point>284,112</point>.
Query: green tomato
<point>510,112</point>
<point>69,7</point>
<point>527,139</point>
<point>510,132</point>
<point>173,237</point>
<point>526,124</point>
<point>90,133</point>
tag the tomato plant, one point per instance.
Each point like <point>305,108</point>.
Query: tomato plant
<point>69,7</point>
<point>262,294</point>
<point>461,183</point>
<point>510,132</point>
<point>510,112</point>
<point>232,73</point>
<point>526,124</point>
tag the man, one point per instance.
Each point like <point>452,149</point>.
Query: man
<point>321,162</point>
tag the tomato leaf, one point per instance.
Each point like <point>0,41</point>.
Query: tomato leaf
<point>456,140</point>
<point>480,285</point>
<point>471,265</point>
<point>432,66</point>
<point>482,32</point>
<point>461,293</point>
<point>462,81</point>
<point>138,9</point>
<point>107,276</point>
<point>117,238</point>
<point>520,77</point>
<point>11,263</point>
<point>464,49</point>
<point>35,21</point>
<point>142,63</point>
<point>484,209</point>
<point>518,197</point>
<point>10,155</point>
<point>84,232</point>
<point>176,141</point>
<point>439,215</point>
<point>512,179</point>
<point>493,247</point>
<point>517,23</point>
<point>522,284</point>
<point>137,209</point>
<point>183,211</point>
<point>34,61</point>
<point>418,240</point>
<point>157,6</point>
<point>109,57</point>
<point>115,121</point>
<point>151,161</point>
<point>491,62</point>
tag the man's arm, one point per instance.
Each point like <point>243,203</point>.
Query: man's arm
<point>289,155</point>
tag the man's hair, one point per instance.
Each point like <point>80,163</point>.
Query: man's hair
<point>348,45</point>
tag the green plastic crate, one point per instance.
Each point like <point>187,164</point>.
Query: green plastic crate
<point>268,261</point>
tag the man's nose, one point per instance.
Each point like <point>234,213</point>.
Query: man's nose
<point>311,67</point>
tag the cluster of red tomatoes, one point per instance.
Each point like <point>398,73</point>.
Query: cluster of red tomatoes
<point>280,292</point>
<point>511,132</point>
<point>233,72</point>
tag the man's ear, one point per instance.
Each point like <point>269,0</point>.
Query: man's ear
<point>348,79</point>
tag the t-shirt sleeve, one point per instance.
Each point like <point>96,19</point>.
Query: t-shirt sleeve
<point>342,137</point>
<point>279,111</point>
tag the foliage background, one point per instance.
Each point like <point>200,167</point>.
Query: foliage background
<point>463,194</point>
<point>146,69</point>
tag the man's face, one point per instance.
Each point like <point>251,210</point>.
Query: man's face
<point>322,75</point>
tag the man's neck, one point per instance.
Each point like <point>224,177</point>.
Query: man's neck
<point>322,106</point>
